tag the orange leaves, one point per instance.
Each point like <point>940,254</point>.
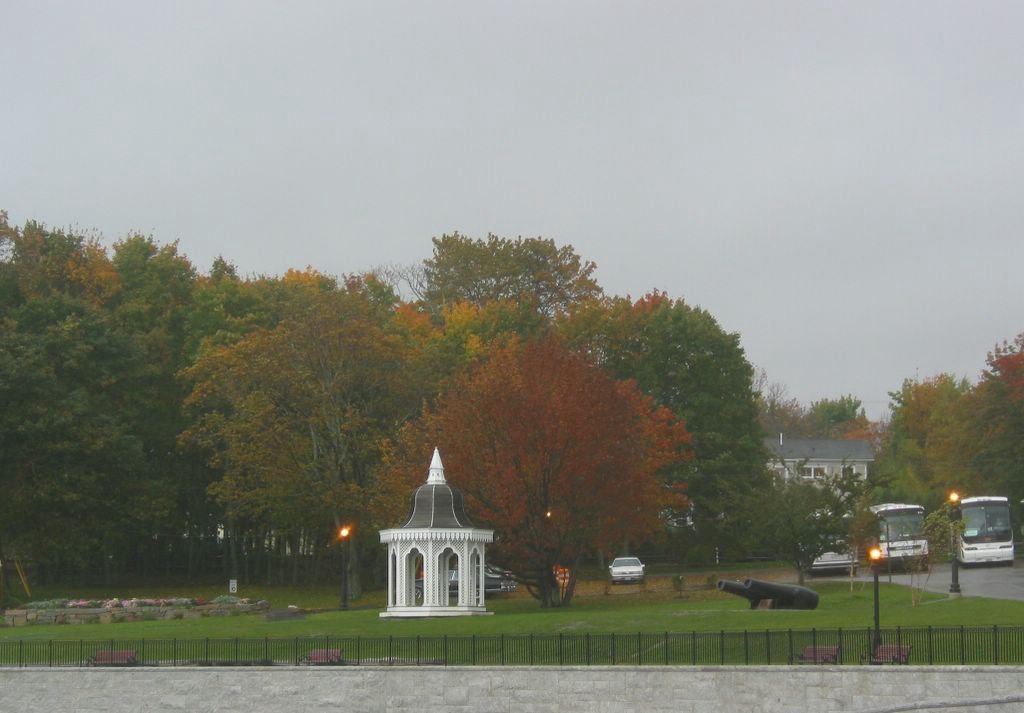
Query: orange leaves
<point>414,322</point>
<point>651,302</point>
<point>1009,367</point>
<point>536,429</point>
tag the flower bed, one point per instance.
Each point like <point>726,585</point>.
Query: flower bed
<point>106,611</point>
<point>117,603</point>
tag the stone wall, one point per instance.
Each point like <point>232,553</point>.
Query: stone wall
<point>598,689</point>
<point>83,615</point>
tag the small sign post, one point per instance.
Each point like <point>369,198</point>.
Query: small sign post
<point>562,578</point>
<point>233,586</point>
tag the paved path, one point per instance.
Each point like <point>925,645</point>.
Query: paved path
<point>996,582</point>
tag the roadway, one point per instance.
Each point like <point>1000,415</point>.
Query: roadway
<point>997,582</point>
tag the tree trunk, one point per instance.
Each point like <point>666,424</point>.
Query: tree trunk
<point>232,533</point>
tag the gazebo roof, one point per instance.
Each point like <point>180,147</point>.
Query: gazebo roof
<point>435,504</point>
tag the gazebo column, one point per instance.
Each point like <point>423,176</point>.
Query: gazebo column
<point>391,575</point>
<point>430,577</point>
<point>407,579</point>
<point>400,565</point>
<point>467,582</point>
<point>465,577</point>
<point>481,579</point>
<point>396,575</point>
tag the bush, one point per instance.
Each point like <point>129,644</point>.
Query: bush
<point>47,604</point>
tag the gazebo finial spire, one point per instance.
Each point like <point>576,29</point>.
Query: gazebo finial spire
<point>436,475</point>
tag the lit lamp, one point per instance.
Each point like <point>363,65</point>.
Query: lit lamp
<point>343,532</point>
<point>875,556</point>
<point>954,545</point>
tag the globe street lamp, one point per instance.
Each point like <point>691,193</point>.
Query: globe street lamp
<point>343,533</point>
<point>875,556</point>
<point>954,544</point>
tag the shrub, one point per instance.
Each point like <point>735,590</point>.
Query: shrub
<point>47,604</point>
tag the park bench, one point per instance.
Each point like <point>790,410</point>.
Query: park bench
<point>890,653</point>
<point>819,654</point>
<point>105,657</point>
<point>322,657</point>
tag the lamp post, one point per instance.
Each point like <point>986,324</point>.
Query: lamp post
<point>954,545</point>
<point>343,533</point>
<point>875,555</point>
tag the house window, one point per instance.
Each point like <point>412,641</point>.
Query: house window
<point>813,472</point>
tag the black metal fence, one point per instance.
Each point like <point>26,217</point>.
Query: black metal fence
<point>961,645</point>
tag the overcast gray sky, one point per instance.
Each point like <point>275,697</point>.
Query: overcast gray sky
<point>838,182</point>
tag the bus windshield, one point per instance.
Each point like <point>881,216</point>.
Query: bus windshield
<point>987,522</point>
<point>896,526</point>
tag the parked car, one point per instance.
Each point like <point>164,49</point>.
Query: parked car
<point>496,581</point>
<point>626,569</point>
<point>835,561</point>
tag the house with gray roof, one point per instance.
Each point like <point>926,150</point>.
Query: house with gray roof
<point>818,458</point>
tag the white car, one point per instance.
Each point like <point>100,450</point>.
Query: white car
<point>626,569</point>
<point>835,561</point>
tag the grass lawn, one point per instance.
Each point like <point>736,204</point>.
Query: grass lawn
<point>596,609</point>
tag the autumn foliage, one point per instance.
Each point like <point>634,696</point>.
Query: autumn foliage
<point>555,455</point>
<point>1006,365</point>
<point>156,419</point>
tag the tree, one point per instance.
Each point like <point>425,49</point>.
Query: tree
<point>837,418</point>
<point>922,456</point>
<point>941,530</point>
<point>557,456</point>
<point>40,263</point>
<point>70,454</point>
<point>862,529</point>
<point>842,418</point>
<point>224,308</point>
<point>800,520</point>
<point>993,420</point>
<point>152,307</point>
<point>777,411</point>
<point>683,359</point>
<point>295,416</point>
<point>527,271</point>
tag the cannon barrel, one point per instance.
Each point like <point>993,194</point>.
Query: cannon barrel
<point>739,590</point>
<point>783,596</point>
<point>734,588</point>
<point>779,596</point>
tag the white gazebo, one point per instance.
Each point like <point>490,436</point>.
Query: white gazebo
<point>436,559</point>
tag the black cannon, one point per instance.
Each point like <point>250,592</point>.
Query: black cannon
<point>776,596</point>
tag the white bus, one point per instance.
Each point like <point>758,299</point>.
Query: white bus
<point>987,535</point>
<point>901,533</point>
